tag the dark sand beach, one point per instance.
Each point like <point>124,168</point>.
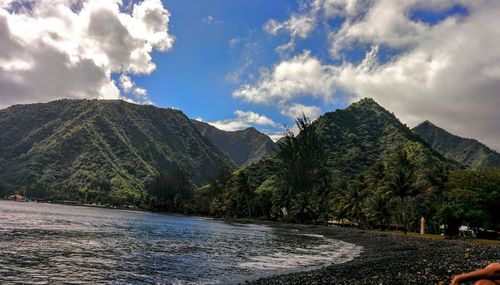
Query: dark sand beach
<point>390,258</point>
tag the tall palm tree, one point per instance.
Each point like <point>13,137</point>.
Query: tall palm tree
<point>300,160</point>
<point>378,208</point>
<point>353,200</point>
<point>401,182</point>
<point>437,178</point>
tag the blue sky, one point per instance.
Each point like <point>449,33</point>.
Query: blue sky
<point>192,76</point>
<point>215,39</point>
<point>240,63</point>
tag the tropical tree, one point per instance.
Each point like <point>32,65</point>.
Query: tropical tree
<point>304,207</point>
<point>472,197</point>
<point>239,196</point>
<point>428,202</point>
<point>375,177</point>
<point>300,171</point>
<point>401,182</point>
<point>172,191</point>
<point>353,199</point>
<point>210,194</point>
<point>378,208</point>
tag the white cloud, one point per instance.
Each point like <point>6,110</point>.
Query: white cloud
<point>69,49</point>
<point>385,22</point>
<point>126,83</point>
<point>140,92</point>
<point>276,136</point>
<point>447,72</point>
<point>249,50</point>
<point>285,49</point>
<point>233,42</point>
<point>210,20</point>
<point>236,75</point>
<point>243,120</point>
<point>254,118</point>
<point>298,26</point>
<point>302,75</point>
<point>129,87</point>
<point>343,8</point>
<point>296,110</point>
<point>448,77</point>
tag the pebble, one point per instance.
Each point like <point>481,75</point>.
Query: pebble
<point>400,259</point>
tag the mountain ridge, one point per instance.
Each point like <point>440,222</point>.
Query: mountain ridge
<point>355,140</point>
<point>242,146</point>
<point>468,151</point>
<point>364,133</point>
<point>107,146</point>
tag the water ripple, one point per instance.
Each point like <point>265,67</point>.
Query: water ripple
<point>46,244</point>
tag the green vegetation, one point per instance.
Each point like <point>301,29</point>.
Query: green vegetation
<point>362,167</point>
<point>472,197</point>
<point>467,151</point>
<point>171,192</point>
<point>301,173</point>
<point>99,151</point>
<point>243,147</point>
<point>359,167</point>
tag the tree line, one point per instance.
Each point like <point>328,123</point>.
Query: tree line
<point>297,186</point>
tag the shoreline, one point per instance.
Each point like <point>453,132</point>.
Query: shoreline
<point>389,258</point>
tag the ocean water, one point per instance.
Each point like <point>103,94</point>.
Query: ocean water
<point>46,244</point>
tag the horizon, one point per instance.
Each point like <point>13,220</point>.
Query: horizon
<point>235,64</point>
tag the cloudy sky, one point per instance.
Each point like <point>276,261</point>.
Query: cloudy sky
<point>239,63</point>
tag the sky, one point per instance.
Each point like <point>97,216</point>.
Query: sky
<point>261,63</point>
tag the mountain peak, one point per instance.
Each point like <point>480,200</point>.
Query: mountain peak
<point>426,123</point>
<point>368,104</point>
<point>464,150</point>
<point>365,133</point>
<point>251,130</point>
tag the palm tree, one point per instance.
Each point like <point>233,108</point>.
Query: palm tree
<point>246,191</point>
<point>353,200</point>
<point>378,208</point>
<point>300,160</point>
<point>304,207</point>
<point>375,177</point>
<point>437,178</point>
<point>402,182</point>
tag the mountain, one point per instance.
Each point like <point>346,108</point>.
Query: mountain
<point>65,147</point>
<point>467,151</point>
<point>243,147</point>
<point>364,133</point>
<point>355,139</point>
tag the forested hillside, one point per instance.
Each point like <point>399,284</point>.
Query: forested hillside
<point>362,167</point>
<point>358,137</point>
<point>243,146</point>
<point>104,150</point>
<point>359,166</point>
<point>467,151</point>
<point>364,133</point>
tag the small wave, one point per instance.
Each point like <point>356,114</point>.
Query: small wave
<point>334,252</point>
<point>313,235</point>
